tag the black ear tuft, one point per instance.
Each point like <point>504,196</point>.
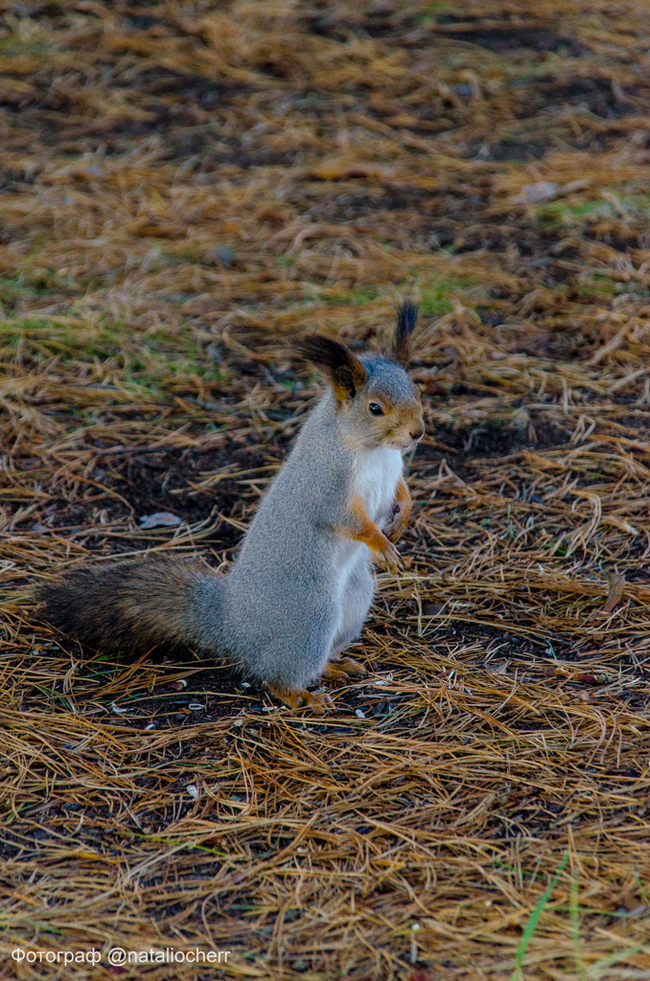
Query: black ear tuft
<point>344,370</point>
<point>407,315</point>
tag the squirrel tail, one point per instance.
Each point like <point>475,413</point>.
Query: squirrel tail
<point>136,604</point>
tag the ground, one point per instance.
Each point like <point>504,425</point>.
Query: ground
<point>184,189</point>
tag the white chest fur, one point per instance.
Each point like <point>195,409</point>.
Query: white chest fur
<point>375,479</point>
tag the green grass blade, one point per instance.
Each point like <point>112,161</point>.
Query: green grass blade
<point>529,929</point>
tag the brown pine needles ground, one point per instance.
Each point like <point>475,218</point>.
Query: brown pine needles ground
<point>184,188</point>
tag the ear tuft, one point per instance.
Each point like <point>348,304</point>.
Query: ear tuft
<point>345,372</point>
<point>407,315</point>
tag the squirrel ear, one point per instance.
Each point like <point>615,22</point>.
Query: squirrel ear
<point>343,368</point>
<point>407,315</point>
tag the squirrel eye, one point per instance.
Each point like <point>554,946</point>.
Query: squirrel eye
<point>376,409</point>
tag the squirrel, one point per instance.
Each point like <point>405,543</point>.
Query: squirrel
<point>301,586</point>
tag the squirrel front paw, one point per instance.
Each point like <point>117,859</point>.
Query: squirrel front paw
<point>387,555</point>
<point>397,524</point>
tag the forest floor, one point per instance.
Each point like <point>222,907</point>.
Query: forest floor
<point>185,188</point>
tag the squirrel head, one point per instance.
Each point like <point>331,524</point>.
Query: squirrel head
<point>377,403</point>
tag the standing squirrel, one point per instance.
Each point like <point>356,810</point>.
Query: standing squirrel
<point>301,586</point>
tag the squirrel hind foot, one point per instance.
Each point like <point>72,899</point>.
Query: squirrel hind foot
<point>334,672</point>
<point>319,703</point>
<point>343,668</point>
<point>351,667</point>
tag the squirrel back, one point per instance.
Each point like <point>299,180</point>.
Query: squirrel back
<point>301,586</point>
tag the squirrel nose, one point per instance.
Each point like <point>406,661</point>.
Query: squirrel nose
<point>418,434</point>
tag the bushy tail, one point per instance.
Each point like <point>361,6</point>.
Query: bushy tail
<point>136,604</point>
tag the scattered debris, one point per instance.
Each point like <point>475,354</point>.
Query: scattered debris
<point>159,519</point>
